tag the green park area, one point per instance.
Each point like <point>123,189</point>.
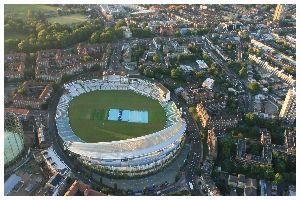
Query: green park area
<point>21,10</point>
<point>68,19</point>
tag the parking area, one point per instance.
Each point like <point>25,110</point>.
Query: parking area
<point>32,180</point>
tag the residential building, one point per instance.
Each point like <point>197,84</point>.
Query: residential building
<point>292,190</point>
<point>274,70</point>
<point>290,141</point>
<point>80,189</point>
<point>210,185</point>
<point>265,138</point>
<point>53,64</point>
<point>202,113</point>
<point>280,12</point>
<point>186,69</point>
<point>54,162</point>
<point>250,187</point>
<point>201,64</point>
<point>241,147</point>
<point>41,136</point>
<point>32,94</point>
<point>208,83</point>
<point>250,159</point>
<point>21,113</point>
<point>232,181</point>
<point>288,110</point>
<point>241,181</point>
<point>112,11</point>
<point>274,190</point>
<point>56,184</point>
<point>14,65</point>
<point>212,144</point>
<point>219,122</point>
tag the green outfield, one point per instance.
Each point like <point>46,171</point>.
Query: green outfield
<point>88,116</point>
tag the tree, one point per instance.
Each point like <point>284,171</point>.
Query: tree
<point>255,148</point>
<point>96,67</point>
<point>95,37</point>
<point>65,78</point>
<point>250,117</point>
<point>199,75</point>
<point>106,190</point>
<point>120,23</point>
<point>55,87</point>
<point>278,178</point>
<point>44,106</point>
<point>22,91</point>
<point>87,58</point>
<point>148,72</point>
<point>226,148</point>
<point>141,32</point>
<point>141,68</point>
<point>243,72</point>
<point>204,56</point>
<point>245,37</point>
<point>11,45</point>
<point>25,46</point>
<point>279,162</point>
<point>189,57</point>
<point>156,58</point>
<point>177,34</point>
<point>283,23</point>
<point>176,73</point>
<point>69,181</point>
<point>253,87</point>
<point>29,74</point>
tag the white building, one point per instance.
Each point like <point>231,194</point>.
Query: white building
<point>186,68</point>
<point>208,83</point>
<point>54,162</point>
<point>201,64</point>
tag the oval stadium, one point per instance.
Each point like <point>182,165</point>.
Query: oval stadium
<point>110,126</point>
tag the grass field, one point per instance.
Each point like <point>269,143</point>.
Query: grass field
<point>68,19</point>
<point>14,35</point>
<point>88,116</point>
<point>21,10</point>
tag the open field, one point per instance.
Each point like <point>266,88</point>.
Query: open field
<point>68,19</point>
<point>14,35</point>
<point>21,10</point>
<point>83,112</point>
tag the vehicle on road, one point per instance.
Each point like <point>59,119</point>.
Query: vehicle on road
<point>191,186</point>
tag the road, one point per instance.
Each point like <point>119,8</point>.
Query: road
<point>196,154</point>
<point>240,84</point>
<point>114,63</point>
